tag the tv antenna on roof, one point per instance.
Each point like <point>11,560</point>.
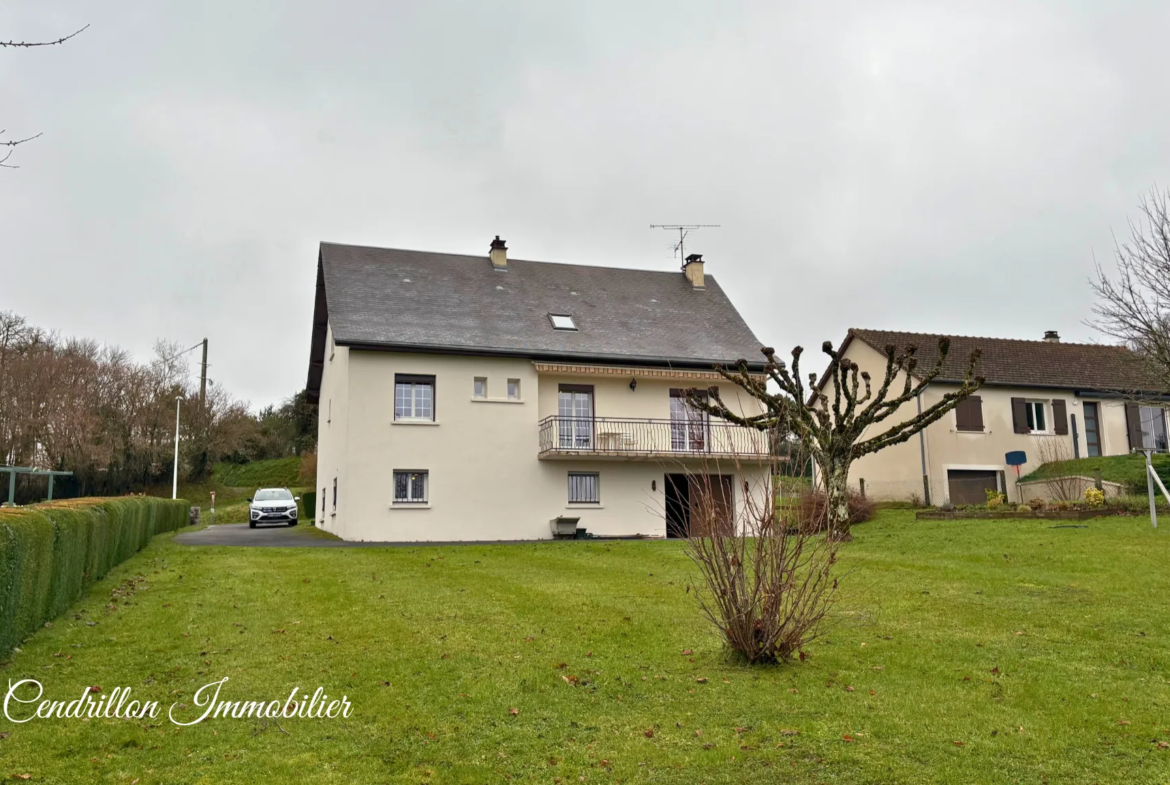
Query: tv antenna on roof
<point>683,231</point>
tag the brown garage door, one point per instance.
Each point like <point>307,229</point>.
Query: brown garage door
<point>970,486</point>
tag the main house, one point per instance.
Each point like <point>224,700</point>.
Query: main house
<point>481,397</point>
<point>1047,399</point>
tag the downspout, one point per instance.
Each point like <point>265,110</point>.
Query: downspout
<point>922,453</point>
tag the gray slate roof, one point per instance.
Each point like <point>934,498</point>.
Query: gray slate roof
<point>420,301</point>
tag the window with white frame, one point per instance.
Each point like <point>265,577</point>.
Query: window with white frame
<point>513,389</point>
<point>479,389</point>
<point>1153,419</point>
<point>414,397</point>
<point>410,487</point>
<point>1037,416</point>
<point>584,488</point>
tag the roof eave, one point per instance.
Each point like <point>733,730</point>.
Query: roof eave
<point>317,341</point>
<point>529,354</point>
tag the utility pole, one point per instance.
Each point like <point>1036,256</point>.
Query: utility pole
<point>175,485</point>
<point>203,378</point>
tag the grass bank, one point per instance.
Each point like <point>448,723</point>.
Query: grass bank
<point>1129,470</point>
<point>960,652</point>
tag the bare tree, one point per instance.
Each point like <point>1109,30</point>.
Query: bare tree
<point>1134,305</point>
<point>12,144</point>
<point>831,430</point>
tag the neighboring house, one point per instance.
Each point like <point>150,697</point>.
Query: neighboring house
<point>1049,399</point>
<point>480,397</point>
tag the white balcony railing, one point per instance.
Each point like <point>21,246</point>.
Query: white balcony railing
<point>697,437</point>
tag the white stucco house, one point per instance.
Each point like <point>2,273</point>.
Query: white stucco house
<point>477,398</point>
<point>1044,398</point>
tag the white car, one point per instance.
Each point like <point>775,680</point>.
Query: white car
<point>273,505</point>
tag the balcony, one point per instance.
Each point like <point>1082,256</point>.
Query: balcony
<point>637,439</point>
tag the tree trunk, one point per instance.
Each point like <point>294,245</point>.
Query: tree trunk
<point>837,487</point>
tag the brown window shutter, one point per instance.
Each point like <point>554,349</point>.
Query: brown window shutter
<point>1133,425</point>
<point>1019,416</point>
<point>1059,417</point>
<point>969,414</point>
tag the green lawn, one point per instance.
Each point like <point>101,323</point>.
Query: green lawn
<point>960,652</point>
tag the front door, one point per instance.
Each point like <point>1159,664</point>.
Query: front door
<point>698,503</point>
<point>575,412</point>
<point>970,486</point>
<point>1092,430</point>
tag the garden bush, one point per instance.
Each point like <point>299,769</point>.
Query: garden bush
<point>813,511</point>
<point>309,505</point>
<point>50,553</point>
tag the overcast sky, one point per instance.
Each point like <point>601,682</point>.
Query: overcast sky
<point>941,167</point>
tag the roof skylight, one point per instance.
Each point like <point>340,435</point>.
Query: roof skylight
<point>562,321</point>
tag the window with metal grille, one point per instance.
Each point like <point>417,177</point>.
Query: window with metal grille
<point>410,487</point>
<point>414,397</point>
<point>584,488</point>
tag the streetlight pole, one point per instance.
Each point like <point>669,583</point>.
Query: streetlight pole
<point>175,484</point>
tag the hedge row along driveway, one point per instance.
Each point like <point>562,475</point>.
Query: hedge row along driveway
<point>50,553</point>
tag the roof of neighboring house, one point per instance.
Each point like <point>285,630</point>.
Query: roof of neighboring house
<point>383,298</point>
<point>1008,362</point>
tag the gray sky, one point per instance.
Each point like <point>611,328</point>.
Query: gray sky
<point>875,164</point>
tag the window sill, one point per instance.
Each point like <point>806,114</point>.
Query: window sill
<point>497,400</point>
<point>584,506</point>
<point>414,422</point>
<point>410,506</point>
<point>1041,433</point>
<point>978,433</point>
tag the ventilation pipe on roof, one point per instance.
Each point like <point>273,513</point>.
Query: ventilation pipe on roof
<point>499,254</point>
<point>1051,336</point>
<point>693,269</point>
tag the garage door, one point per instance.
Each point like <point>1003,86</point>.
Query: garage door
<point>970,486</point>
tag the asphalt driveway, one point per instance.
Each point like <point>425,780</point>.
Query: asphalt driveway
<point>301,536</point>
<point>266,537</point>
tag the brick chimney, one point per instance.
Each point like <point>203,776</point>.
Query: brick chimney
<point>693,270</point>
<point>499,254</point>
<point>1051,336</point>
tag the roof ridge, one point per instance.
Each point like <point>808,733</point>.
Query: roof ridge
<point>988,338</point>
<point>510,260</point>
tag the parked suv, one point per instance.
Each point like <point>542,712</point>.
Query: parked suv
<point>273,505</point>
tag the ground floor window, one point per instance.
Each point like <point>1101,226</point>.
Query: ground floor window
<point>584,488</point>
<point>410,487</point>
<point>1035,412</point>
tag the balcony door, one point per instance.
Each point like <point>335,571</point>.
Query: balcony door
<point>575,413</point>
<point>689,427</point>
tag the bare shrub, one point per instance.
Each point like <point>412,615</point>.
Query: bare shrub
<point>766,587</point>
<point>1063,487</point>
<point>307,473</point>
<point>812,513</point>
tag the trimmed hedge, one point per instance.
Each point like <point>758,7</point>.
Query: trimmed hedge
<point>50,553</point>
<point>309,505</point>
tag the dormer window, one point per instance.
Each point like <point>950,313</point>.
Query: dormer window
<point>562,321</point>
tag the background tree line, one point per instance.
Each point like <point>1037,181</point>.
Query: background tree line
<point>73,404</point>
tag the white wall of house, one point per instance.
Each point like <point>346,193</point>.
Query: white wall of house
<point>485,479</point>
<point>896,472</point>
<point>332,435</point>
